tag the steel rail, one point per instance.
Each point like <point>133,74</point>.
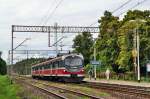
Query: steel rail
<point>131,90</point>
<point>50,93</point>
<point>66,90</point>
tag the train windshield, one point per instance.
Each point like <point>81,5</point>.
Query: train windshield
<point>73,61</point>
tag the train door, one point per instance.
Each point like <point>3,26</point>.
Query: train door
<point>42,71</point>
<point>56,68</point>
<point>50,65</point>
<point>38,71</point>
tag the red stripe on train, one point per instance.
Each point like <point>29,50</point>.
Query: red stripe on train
<point>55,71</point>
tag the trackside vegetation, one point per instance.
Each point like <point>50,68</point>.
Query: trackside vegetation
<point>115,45</point>
<point>8,90</point>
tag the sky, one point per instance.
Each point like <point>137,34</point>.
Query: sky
<point>38,12</point>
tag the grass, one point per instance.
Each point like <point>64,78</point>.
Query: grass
<point>8,90</point>
<point>82,89</point>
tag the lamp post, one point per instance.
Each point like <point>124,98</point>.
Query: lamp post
<point>137,46</point>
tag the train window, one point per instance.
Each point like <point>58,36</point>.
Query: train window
<point>48,66</point>
<point>55,65</point>
<point>61,63</point>
<point>41,67</point>
<point>45,66</point>
<point>73,61</point>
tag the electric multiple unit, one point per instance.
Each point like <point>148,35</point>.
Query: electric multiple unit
<point>68,68</point>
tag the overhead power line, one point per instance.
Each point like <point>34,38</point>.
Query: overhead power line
<point>139,3</point>
<point>51,14</point>
<point>121,6</point>
<point>115,10</point>
<point>48,11</point>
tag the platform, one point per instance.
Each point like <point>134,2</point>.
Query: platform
<point>120,82</point>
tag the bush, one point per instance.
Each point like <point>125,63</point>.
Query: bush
<point>3,68</point>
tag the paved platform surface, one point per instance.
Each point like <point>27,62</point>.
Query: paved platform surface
<point>121,82</point>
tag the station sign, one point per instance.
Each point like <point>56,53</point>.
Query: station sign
<point>94,62</point>
<point>148,67</point>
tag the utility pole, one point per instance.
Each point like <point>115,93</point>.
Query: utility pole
<point>134,51</point>
<point>62,40</point>
<point>138,47</point>
<point>26,67</point>
<point>138,60</point>
<point>55,39</point>
<point>94,60</point>
<point>49,41</point>
<point>12,46</point>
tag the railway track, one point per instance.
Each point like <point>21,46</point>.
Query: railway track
<point>43,90</point>
<point>135,91</point>
<point>126,89</point>
<point>58,92</point>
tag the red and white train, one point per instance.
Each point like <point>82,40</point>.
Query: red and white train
<point>68,68</point>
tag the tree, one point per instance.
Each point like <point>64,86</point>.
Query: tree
<point>115,41</point>
<point>24,66</point>
<point>3,68</point>
<point>82,44</point>
<point>106,43</point>
<point>143,29</point>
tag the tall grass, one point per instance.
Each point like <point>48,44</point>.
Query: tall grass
<point>8,90</point>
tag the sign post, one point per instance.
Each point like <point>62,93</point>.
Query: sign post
<point>147,70</point>
<point>95,63</point>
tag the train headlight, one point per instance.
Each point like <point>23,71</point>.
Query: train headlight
<point>64,70</point>
<point>82,70</point>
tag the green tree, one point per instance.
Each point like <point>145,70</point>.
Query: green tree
<point>106,43</point>
<point>24,66</point>
<point>82,44</point>
<point>115,41</point>
<point>143,30</point>
<point>3,68</point>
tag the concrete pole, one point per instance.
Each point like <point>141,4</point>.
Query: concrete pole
<point>135,51</point>
<point>138,59</point>
<point>55,39</point>
<point>12,46</point>
<point>26,67</point>
<point>94,60</point>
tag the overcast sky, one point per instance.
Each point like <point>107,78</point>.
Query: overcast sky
<point>69,12</point>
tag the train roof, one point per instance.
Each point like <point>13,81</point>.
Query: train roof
<point>58,58</point>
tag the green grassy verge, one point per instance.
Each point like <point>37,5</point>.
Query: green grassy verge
<point>8,90</point>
